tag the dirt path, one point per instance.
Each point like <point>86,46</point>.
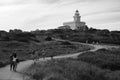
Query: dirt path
<point>6,74</point>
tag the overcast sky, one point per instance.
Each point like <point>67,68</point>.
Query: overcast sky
<point>46,14</point>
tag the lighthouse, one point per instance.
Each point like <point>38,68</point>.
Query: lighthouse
<point>76,23</point>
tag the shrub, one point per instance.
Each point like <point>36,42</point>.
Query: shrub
<point>67,70</point>
<point>66,43</point>
<point>55,76</point>
<point>48,38</point>
<point>1,64</point>
<point>106,59</point>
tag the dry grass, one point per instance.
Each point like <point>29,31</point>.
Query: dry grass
<point>69,69</point>
<point>52,48</point>
<point>106,59</point>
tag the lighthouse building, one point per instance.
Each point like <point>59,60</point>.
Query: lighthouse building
<point>76,24</point>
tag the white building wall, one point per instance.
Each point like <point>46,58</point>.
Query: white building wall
<point>71,24</point>
<point>77,23</point>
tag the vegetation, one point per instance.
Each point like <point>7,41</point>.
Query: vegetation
<point>98,65</point>
<point>8,47</point>
<point>24,50</point>
<point>17,35</point>
<point>69,69</point>
<point>48,38</point>
<point>91,35</point>
<point>55,48</point>
<point>106,59</point>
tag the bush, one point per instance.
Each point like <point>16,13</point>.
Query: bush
<point>55,76</point>
<point>2,64</point>
<point>48,38</point>
<point>66,43</point>
<point>106,59</point>
<point>55,48</point>
<point>67,70</point>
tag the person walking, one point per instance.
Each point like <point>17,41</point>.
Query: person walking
<point>15,62</point>
<point>11,61</point>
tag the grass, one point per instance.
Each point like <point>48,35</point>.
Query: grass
<point>52,48</point>
<point>8,47</point>
<point>103,64</point>
<point>69,69</point>
<point>106,59</point>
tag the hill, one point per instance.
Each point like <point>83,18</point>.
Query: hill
<point>17,36</point>
<point>90,36</point>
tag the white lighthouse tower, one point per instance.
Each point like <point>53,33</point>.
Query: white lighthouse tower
<point>76,24</point>
<point>77,16</point>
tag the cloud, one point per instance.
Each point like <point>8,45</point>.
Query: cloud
<point>52,13</point>
<point>111,26</point>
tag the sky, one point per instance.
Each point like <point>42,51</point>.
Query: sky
<point>49,14</point>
